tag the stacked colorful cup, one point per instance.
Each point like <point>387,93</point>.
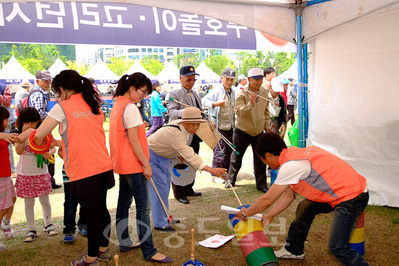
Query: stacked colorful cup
<point>254,244</point>
<point>357,238</point>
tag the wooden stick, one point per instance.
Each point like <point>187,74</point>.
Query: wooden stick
<point>260,96</point>
<point>228,180</point>
<point>170,98</point>
<point>192,244</point>
<point>214,134</point>
<point>170,217</point>
<point>116,259</point>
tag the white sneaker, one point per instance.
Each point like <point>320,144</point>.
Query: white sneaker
<point>8,232</point>
<point>285,254</point>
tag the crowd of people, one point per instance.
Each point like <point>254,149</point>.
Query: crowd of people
<point>243,111</point>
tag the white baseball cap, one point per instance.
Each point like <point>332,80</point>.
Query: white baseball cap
<point>277,85</point>
<point>255,73</point>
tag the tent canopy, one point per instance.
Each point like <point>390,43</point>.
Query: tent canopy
<point>207,76</point>
<point>101,73</point>
<point>57,67</point>
<point>137,67</point>
<point>13,73</point>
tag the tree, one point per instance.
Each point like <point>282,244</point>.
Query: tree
<point>152,64</point>
<point>82,68</point>
<point>35,57</point>
<point>217,63</point>
<point>120,65</point>
<point>282,62</point>
<point>187,59</point>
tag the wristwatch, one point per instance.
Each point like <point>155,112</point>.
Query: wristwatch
<point>243,215</point>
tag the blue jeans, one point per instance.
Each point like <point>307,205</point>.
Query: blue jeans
<point>134,185</point>
<point>343,223</point>
<point>70,207</point>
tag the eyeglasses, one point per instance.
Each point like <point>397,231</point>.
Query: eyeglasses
<point>144,92</point>
<point>46,80</point>
<point>190,80</point>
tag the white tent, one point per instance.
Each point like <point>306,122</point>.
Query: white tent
<point>13,73</point>
<point>57,67</point>
<point>137,67</point>
<point>291,72</point>
<point>101,73</point>
<point>169,75</point>
<point>352,73</point>
<point>206,75</point>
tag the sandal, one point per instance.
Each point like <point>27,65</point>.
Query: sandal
<point>50,230</point>
<point>30,236</point>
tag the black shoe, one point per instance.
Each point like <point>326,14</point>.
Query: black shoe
<point>175,221</point>
<point>166,229</point>
<point>195,194</point>
<point>264,189</point>
<point>184,200</point>
<point>126,249</point>
<point>55,186</point>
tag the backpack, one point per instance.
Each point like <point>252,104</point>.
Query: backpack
<point>24,102</point>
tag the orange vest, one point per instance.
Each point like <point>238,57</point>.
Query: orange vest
<point>331,179</point>
<point>123,157</point>
<point>83,142</point>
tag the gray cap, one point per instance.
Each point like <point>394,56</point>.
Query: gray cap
<point>43,74</point>
<point>229,73</point>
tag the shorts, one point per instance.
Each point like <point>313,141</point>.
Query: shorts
<point>7,193</point>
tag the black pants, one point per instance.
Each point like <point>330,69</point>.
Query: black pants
<point>184,191</point>
<point>291,114</point>
<point>242,140</point>
<point>98,221</point>
<point>51,171</point>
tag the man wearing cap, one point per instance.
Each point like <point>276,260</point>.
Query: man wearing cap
<point>252,118</point>
<point>185,94</point>
<point>220,103</point>
<point>285,88</point>
<point>156,108</point>
<point>240,83</point>
<point>39,98</point>
<point>277,108</point>
<point>165,144</point>
<point>291,101</point>
<point>23,92</point>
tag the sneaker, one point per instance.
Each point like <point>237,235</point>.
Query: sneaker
<point>69,237</point>
<point>285,254</point>
<point>227,185</point>
<point>50,230</point>
<point>82,261</point>
<point>83,232</point>
<point>106,255</point>
<point>2,247</point>
<point>8,232</point>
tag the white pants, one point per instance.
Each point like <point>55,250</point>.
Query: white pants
<point>30,211</point>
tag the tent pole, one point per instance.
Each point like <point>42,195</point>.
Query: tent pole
<point>298,13</point>
<point>305,89</point>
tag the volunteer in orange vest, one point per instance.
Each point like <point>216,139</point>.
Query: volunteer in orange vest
<point>328,184</point>
<point>130,155</point>
<point>86,159</point>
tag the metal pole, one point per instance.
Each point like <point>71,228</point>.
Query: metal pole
<point>298,12</point>
<point>305,94</point>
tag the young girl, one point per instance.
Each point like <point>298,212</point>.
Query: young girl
<point>33,181</point>
<point>7,192</point>
<point>130,154</point>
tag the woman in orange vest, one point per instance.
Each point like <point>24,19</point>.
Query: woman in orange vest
<point>86,159</point>
<point>328,183</point>
<point>130,155</point>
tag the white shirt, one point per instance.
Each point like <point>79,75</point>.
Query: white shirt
<point>131,116</point>
<point>291,172</point>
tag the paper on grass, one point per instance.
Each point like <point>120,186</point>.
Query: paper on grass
<point>215,241</point>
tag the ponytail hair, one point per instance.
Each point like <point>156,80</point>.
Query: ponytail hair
<point>137,80</point>
<point>4,114</point>
<point>70,80</point>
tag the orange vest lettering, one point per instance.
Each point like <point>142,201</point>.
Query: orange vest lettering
<point>124,159</point>
<point>83,141</point>
<point>331,179</point>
